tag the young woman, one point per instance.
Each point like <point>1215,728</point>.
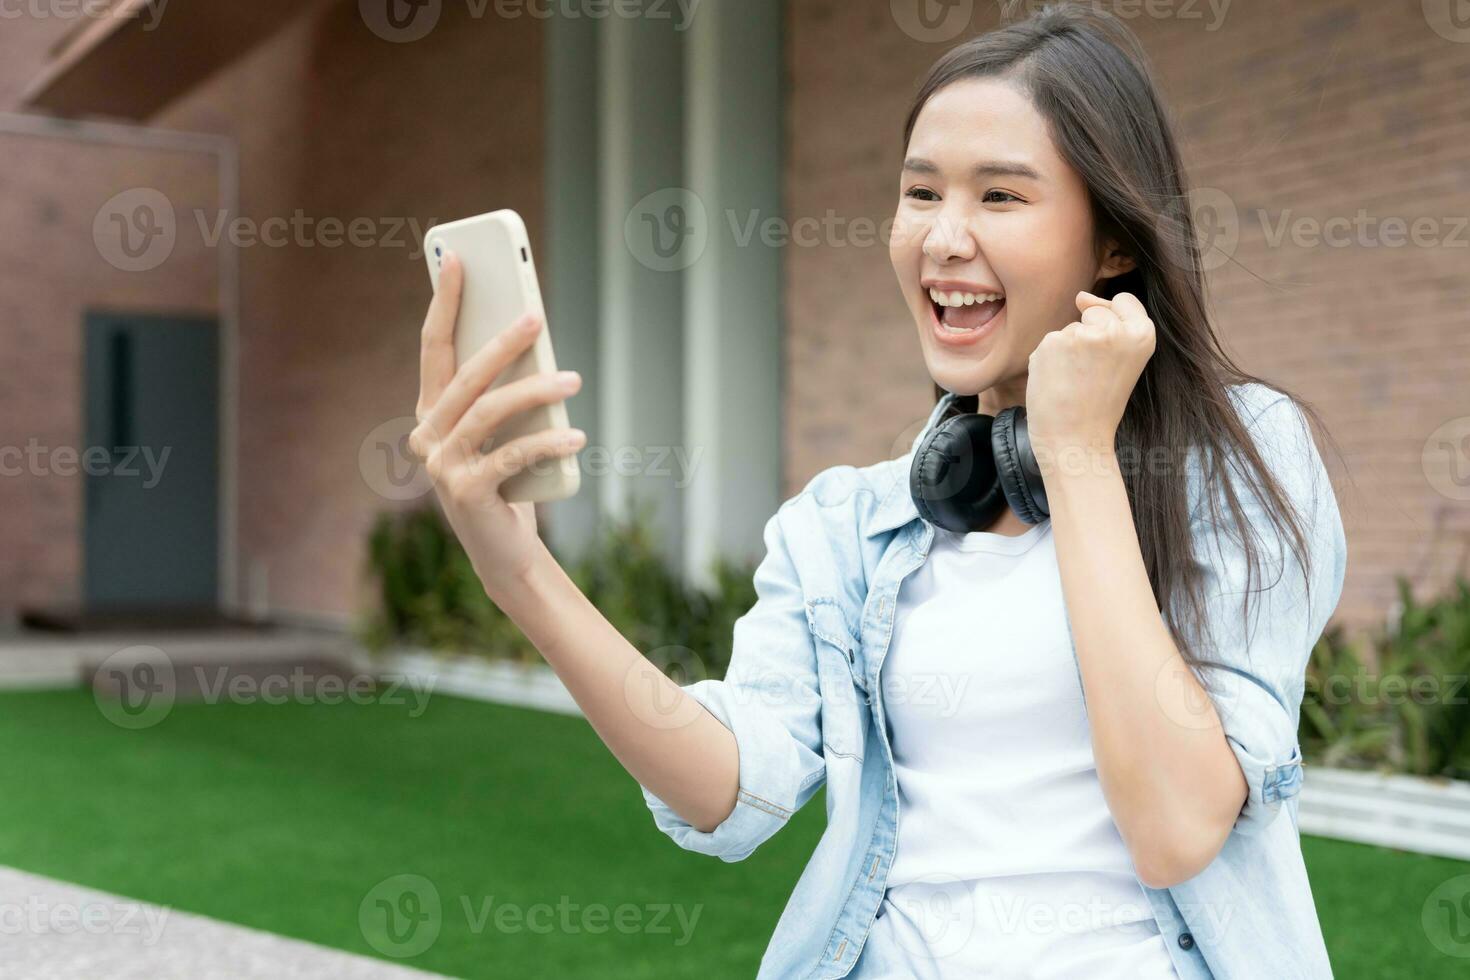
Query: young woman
<point>1081,753</point>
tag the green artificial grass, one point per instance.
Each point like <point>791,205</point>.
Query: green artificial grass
<point>545,861</point>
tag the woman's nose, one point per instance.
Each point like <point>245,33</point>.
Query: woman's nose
<point>949,240</point>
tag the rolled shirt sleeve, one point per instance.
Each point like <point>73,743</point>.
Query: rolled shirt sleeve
<point>1259,671</point>
<point>769,700</point>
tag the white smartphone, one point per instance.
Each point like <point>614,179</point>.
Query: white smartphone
<point>499,288</point>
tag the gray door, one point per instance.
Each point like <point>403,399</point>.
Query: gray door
<point>151,462</point>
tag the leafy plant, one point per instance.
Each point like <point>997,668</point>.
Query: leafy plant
<point>429,595</point>
<point>1405,709</point>
<point>1410,712</point>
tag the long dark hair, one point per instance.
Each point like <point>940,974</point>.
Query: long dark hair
<point>1086,73</point>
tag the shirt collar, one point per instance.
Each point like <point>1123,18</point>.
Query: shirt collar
<point>897,506</point>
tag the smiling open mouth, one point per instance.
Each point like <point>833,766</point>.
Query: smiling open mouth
<point>965,312</point>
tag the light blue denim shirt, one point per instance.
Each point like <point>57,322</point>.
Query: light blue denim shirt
<point>802,698</point>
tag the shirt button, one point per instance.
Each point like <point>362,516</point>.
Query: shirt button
<point>1186,941</point>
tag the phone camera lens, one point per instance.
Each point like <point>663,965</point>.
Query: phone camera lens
<point>439,250</point>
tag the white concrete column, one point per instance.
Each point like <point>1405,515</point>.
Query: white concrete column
<point>641,293</point>
<point>732,302</point>
<point>567,262</point>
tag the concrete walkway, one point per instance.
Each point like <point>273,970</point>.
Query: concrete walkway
<point>52,930</point>
<point>40,659</point>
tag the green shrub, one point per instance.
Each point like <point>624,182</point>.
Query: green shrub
<point>429,596</point>
<point>1411,711</point>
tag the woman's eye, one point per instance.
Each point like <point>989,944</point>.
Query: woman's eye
<point>918,193</point>
<point>1002,194</point>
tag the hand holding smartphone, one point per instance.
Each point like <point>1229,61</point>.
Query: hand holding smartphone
<point>499,288</point>
<point>485,373</point>
<point>492,422</point>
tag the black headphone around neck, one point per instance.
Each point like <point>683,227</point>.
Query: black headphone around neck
<point>970,466</point>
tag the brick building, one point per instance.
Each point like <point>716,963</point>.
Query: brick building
<point>238,203</point>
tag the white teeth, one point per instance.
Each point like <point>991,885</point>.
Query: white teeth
<point>962,299</point>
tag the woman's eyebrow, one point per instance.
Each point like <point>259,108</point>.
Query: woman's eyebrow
<point>985,168</point>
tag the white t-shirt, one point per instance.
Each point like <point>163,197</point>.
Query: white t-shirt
<point>1008,862</point>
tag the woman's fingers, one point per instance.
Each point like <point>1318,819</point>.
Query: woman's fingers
<point>490,411</point>
<point>1125,306</point>
<point>436,346</point>
<point>1102,316</point>
<point>534,450</point>
<point>477,374</point>
<point>1129,307</point>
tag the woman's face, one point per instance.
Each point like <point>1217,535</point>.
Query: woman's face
<point>988,206</point>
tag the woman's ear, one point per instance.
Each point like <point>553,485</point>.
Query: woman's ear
<point>1115,262</point>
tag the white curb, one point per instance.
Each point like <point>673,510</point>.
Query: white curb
<point>1411,813</point>
<point>498,681</point>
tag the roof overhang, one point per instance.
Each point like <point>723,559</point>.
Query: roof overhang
<point>133,57</point>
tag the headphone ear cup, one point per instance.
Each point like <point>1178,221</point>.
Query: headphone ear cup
<point>1016,467</point>
<point>953,479</point>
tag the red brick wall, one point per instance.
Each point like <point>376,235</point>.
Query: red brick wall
<point>339,123</point>
<point>51,272</point>
<point>331,120</point>
<point>1314,109</point>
